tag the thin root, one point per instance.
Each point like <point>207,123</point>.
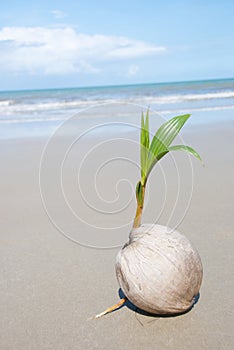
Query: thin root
<point>112,308</point>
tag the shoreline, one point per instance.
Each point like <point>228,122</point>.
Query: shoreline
<point>84,120</point>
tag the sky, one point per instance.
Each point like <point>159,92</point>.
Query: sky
<point>75,43</point>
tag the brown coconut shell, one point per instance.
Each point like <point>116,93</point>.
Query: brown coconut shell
<point>159,270</point>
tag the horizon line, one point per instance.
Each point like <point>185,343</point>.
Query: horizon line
<point>117,85</point>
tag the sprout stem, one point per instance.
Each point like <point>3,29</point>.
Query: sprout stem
<point>139,210</point>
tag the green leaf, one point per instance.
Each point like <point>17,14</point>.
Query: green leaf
<point>162,140</point>
<point>153,162</point>
<point>167,133</point>
<point>186,149</point>
<point>144,144</point>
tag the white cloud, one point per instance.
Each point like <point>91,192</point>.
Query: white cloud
<point>58,14</point>
<point>39,50</point>
<point>133,69</point>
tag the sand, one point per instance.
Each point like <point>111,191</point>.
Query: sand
<point>50,285</point>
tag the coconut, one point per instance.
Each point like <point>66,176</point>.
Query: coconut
<point>159,270</point>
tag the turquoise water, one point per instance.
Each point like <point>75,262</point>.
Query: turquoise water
<point>39,112</point>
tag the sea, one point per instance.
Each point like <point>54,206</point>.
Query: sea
<point>34,113</point>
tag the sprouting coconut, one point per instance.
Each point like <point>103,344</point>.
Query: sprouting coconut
<point>158,269</point>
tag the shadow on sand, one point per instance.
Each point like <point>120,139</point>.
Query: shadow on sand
<point>134,308</point>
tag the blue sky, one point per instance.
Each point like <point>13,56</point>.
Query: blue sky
<point>46,44</point>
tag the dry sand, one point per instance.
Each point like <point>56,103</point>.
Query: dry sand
<point>50,285</point>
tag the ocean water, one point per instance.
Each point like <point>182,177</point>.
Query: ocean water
<point>39,112</point>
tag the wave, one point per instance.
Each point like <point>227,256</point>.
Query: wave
<point>32,120</point>
<point>189,97</point>
<point>10,108</point>
<point>5,103</point>
<point>199,109</point>
<point>47,106</point>
<point>63,118</point>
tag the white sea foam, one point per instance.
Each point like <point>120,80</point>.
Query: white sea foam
<point>31,120</point>
<point>9,107</point>
<point>199,109</point>
<point>63,118</point>
<point>168,99</point>
<point>5,103</point>
<point>47,106</point>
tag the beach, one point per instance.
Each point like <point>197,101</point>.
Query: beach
<point>67,205</point>
<point>50,285</point>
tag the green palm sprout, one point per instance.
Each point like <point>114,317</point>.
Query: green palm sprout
<point>152,151</point>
